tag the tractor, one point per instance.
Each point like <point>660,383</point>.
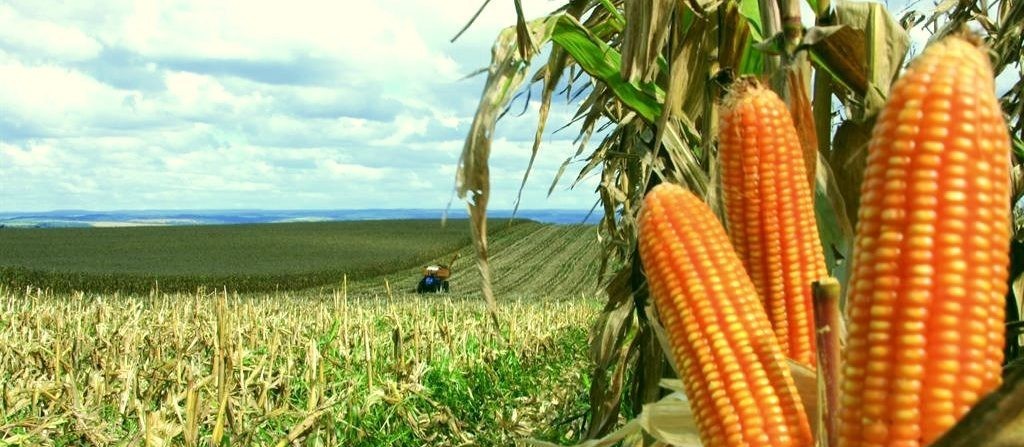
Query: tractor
<point>435,277</point>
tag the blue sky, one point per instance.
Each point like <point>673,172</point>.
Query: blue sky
<point>256,104</point>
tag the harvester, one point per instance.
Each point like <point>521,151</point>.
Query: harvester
<point>435,277</point>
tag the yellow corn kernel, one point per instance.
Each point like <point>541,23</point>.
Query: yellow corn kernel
<point>733,368</point>
<point>770,212</point>
<point>911,372</point>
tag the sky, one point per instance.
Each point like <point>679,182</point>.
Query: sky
<point>247,104</point>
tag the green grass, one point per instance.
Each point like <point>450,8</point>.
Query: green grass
<point>241,257</point>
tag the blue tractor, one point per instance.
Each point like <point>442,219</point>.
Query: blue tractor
<point>435,278</point>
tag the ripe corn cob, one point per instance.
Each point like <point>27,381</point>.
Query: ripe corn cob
<point>930,257</point>
<point>732,367</point>
<point>770,211</point>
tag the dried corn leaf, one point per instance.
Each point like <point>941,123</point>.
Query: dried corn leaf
<point>550,75</point>
<point>733,38</point>
<point>995,421</point>
<point>666,349</point>
<point>606,394</point>
<point>591,113</point>
<point>471,20</point>
<point>806,381</point>
<point>686,94</point>
<point>848,160</point>
<point>644,36</point>
<point>681,153</point>
<point>159,432</point>
<point>798,81</point>
<point>863,52</point>
<point>504,76</point>
<point>524,41</point>
<point>613,439</point>
<point>1009,39</point>
<point>650,365</point>
<point>822,112</point>
<point>611,327</point>
<point>608,352</point>
<point>668,420</point>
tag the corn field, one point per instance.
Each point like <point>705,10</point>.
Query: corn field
<point>287,369</point>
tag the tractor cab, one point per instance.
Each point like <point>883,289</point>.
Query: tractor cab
<point>435,278</point>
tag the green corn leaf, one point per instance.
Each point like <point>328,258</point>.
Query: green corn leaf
<point>603,62</point>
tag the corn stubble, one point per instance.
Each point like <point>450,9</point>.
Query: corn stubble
<point>930,260</point>
<point>198,369</point>
<point>733,369</point>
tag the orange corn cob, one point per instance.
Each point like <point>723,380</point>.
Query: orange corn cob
<point>732,367</point>
<point>930,256</point>
<point>770,211</point>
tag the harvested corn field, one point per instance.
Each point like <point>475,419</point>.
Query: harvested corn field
<point>202,369</point>
<point>362,361</point>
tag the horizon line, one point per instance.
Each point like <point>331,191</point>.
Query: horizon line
<point>460,209</point>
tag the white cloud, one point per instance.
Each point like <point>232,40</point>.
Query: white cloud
<point>257,104</point>
<point>404,127</point>
<point>33,159</point>
<point>46,92</point>
<point>190,88</point>
<point>372,38</point>
<point>354,172</point>
<point>45,39</point>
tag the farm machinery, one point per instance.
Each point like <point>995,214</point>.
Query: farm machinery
<point>435,277</point>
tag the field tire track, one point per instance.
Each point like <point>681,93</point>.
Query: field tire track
<point>527,259</point>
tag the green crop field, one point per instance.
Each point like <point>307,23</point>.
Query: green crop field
<point>526,260</point>
<point>361,362</point>
<point>240,257</point>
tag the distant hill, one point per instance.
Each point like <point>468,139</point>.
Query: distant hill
<point>526,256</point>
<point>531,259</point>
<point>81,218</point>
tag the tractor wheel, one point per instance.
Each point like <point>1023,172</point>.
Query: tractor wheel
<point>444,286</point>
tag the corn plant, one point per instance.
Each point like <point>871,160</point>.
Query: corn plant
<point>649,78</point>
